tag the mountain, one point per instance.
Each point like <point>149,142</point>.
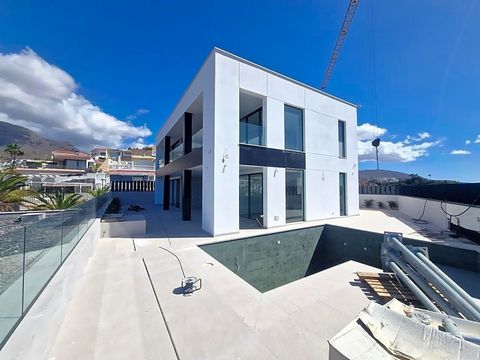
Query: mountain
<point>365,176</point>
<point>397,178</point>
<point>33,145</point>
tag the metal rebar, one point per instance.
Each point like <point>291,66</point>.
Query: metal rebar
<point>424,286</point>
<point>458,301</point>
<point>449,281</point>
<point>413,287</point>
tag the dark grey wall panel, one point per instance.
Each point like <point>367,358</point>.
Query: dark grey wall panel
<point>262,156</point>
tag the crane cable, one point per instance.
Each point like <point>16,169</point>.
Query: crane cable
<point>373,69</point>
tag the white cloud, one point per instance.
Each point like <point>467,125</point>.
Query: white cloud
<point>44,98</point>
<point>468,142</point>
<point>477,140</point>
<point>138,144</point>
<point>137,113</point>
<point>424,135</point>
<point>400,151</point>
<point>419,137</point>
<point>460,152</point>
<point>369,132</point>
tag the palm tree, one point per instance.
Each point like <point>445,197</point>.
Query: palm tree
<point>12,190</point>
<point>99,191</point>
<point>58,201</point>
<point>14,150</point>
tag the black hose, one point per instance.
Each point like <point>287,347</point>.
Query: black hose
<point>179,262</point>
<point>460,213</point>
<point>420,219</point>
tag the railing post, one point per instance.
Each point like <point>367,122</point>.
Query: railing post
<point>24,266</point>
<point>61,241</point>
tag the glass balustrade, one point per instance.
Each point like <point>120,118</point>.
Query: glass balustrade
<point>33,246</point>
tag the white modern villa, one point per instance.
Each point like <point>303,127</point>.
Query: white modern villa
<point>245,142</point>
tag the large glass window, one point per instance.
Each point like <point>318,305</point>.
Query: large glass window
<point>342,150</point>
<point>294,195</point>
<point>251,128</point>
<point>293,128</point>
<point>251,196</point>
<point>343,194</point>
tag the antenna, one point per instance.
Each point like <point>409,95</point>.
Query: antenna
<point>376,144</point>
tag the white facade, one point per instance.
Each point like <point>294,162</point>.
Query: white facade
<point>225,89</point>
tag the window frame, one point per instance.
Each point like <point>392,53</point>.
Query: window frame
<point>345,213</point>
<point>344,156</point>
<point>262,135</point>
<point>302,111</point>
<point>294,220</point>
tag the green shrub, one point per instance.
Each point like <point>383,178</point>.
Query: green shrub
<point>380,204</point>
<point>393,204</point>
<point>368,203</point>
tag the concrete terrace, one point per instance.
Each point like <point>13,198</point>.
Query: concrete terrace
<point>125,305</point>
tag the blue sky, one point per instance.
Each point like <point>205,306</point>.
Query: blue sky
<point>119,57</point>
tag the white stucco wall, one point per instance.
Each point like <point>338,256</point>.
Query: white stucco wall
<point>225,184</point>
<point>321,115</point>
<point>221,79</point>
<point>413,207</point>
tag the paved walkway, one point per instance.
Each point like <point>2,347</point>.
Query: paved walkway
<point>127,306</point>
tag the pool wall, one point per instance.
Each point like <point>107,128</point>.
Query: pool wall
<point>270,261</point>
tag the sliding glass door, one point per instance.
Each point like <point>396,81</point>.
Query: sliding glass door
<point>294,195</point>
<point>251,196</point>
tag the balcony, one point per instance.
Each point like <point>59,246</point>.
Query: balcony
<point>176,153</point>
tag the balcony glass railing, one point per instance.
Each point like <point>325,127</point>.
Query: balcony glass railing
<point>251,134</point>
<point>197,139</point>
<point>176,153</point>
<point>31,251</point>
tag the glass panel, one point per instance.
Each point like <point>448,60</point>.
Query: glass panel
<point>243,131</point>
<point>343,197</point>
<point>341,139</point>
<point>256,196</point>
<point>70,231</point>
<point>251,196</point>
<point>197,139</point>
<point>11,273</point>
<point>43,256</point>
<point>294,195</point>
<point>251,128</point>
<point>176,153</point>
<point>32,247</point>
<point>293,128</point>
<point>244,209</point>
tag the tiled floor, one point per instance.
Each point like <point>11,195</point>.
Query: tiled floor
<point>116,315</point>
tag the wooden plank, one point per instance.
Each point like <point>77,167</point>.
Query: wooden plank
<point>386,285</point>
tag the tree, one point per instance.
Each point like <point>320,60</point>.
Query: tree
<point>57,201</point>
<point>12,190</point>
<point>14,150</point>
<point>99,191</point>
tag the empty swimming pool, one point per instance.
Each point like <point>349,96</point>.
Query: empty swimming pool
<point>273,260</point>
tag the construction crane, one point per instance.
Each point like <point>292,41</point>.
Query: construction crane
<point>347,21</point>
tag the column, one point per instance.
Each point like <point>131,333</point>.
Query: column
<point>187,195</point>
<point>187,133</point>
<point>166,192</point>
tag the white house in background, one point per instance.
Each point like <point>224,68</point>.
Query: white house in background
<point>246,146</point>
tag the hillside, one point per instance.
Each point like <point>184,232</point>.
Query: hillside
<point>33,145</point>
<point>365,176</point>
